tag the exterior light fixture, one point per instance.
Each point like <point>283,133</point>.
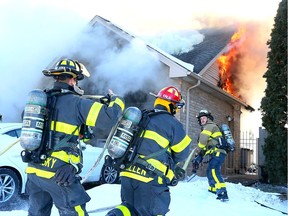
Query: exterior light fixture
<point>229,118</point>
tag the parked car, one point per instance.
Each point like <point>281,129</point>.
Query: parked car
<point>12,169</point>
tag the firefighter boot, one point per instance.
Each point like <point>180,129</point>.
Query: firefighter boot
<point>222,196</point>
<point>212,189</point>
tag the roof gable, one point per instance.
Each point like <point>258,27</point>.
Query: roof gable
<point>203,53</point>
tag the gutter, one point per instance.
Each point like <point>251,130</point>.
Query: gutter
<point>222,92</point>
<point>188,103</point>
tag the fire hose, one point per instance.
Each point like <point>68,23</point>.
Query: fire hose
<point>189,178</point>
<point>188,159</point>
<point>9,146</point>
<point>95,97</point>
<point>102,152</point>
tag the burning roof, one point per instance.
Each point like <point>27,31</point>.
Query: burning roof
<point>220,46</point>
<point>228,64</point>
<point>203,53</point>
<point>214,42</point>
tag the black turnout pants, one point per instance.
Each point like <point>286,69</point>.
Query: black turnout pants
<point>148,199</point>
<point>69,200</point>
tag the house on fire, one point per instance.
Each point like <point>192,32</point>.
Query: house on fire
<point>196,74</point>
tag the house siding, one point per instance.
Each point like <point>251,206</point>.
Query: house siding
<point>200,99</point>
<point>212,74</point>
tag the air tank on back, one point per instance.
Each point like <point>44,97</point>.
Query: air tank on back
<point>228,135</point>
<point>124,132</point>
<point>33,120</point>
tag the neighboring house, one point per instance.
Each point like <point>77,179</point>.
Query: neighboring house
<point>198,84</point>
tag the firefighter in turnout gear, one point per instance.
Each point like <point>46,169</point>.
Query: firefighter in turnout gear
<point>162,145</point>
<point>207,147</point>
<point>55,179</point>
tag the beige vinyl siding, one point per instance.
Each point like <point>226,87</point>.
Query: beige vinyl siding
<point>212,74</point>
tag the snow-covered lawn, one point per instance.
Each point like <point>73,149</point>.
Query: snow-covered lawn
<point>190,199</point>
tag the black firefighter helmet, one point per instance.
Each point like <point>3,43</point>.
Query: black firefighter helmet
<point>68,68</point>
<point>204,112</point>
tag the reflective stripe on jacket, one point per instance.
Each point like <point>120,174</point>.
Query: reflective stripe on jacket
<point>208,139</point>
<point>71,111</point>
<point>163,130</point>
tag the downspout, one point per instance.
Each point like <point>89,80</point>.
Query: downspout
<point>188,103</point>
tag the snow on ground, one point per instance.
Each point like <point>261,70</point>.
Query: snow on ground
<point>192,198</point>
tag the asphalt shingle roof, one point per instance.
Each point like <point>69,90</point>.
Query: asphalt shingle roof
<point>214,42</point>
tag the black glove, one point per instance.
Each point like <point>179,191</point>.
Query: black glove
<point>179,172</point>
<point>65,175</point>
<point>106,99</point>
<point>195,162</point>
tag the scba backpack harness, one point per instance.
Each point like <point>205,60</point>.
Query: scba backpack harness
<point>36,135</point>
<point>128,136</point>
<point>226,141</point>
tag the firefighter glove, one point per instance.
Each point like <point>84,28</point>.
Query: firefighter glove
<point>195,162</point>
<point>179,172</point>
<point>106,99</point>
<point>65,175</point>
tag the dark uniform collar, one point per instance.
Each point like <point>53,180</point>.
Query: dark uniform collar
<point>160,107</point>
<point>62,85</point>
<point>64,88</point>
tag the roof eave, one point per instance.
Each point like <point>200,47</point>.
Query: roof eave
<point>221,93</point>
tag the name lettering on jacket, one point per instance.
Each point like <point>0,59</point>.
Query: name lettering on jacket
<point>49,162</point>
<point>138,170</point>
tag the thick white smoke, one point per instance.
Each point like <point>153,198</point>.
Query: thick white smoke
<point>176,42</point>
<point>31,37</point>
<point>120,66</point>
<point>34,32</point>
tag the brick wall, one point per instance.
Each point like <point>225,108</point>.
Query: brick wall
<point>200,99</point>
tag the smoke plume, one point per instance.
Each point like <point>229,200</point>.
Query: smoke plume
<point>37,32</point>
<point>31,37</point>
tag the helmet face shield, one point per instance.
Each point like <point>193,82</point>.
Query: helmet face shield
<point>171,98</point>
<point>181,104</point>
<point>85,72</point>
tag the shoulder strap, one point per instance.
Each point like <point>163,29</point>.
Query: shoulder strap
<point>146,114</point>
<point>152,113</point>
<point>138,136</point>
<point>63,142</point>
<point>155,154</point>
<point>220,131</point>
<point>52,95</point>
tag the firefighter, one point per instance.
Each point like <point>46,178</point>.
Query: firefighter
<point>207,147</point>
<point>145,183</point>
<point>56,180</point>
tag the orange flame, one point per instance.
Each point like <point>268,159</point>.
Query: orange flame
<point>227,59</point>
